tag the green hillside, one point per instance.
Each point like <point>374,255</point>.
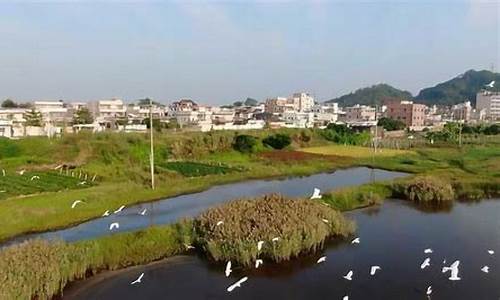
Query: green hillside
<point>372,95</point>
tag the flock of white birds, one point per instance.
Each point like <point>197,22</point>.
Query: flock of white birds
<point>453,269</point>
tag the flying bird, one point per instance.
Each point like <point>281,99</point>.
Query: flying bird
<point>325,220</point>
<point>143,212</point>
<point>426,263</point>
<point>237,284</point>
<point>429,290</point>
<point>491,84</point>
<point>316,194</point>
<point>34,177</point>
<point>428,251</point>
<point>485,269</point>
<point>58,167</point>
<point>82,182</point>
<point>259,245</point>
<point>114,225</point>
<point>219,223</point>
<point>106,213</point>
<point>188,247</point>
<point>355,241</point>
<point>491,252</point>
<point>21,172</point>
<point>3,172</point>
<point>258,262</point>
<point>138,280</point>
<point>228,269</point>
<point>75,203</point>
<point>374,269</point>
<point>348,276</point>
<point>275,239</point>
<point>454,270</point>
<point>119,209</point>
<point>321,259</point>
<point>345,298</point>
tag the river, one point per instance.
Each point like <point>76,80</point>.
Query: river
<point>172,209</point>
<point>392,236</point>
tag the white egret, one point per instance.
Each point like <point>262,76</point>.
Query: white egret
<point>143,212</point>
<point>491,252</point>
<point>237,284</point>
<point>3,172</point>
<point>428,251</point>
<point>275,239</point>
<point>321,259</point>
<point>258,262</point>
<point>119,209</point>
<point>21,172</point>
<point>485,269</point>
<point>228,269</point>
<point>348,276</point>
<point>355,241</point>
<point>429,290</point>
<point>259,245</point>
<point>82,182</point>
<point>491,84</point>
<point>114,225</point>
<point>345,298</point>
<point>93,178</point>
<point>34,177</point>
<point>219,223</point>
<point>325,220</point>
<point>316,194</point>
<point>374,269</point>
<point>75,203</point>
<point>188,247</point>
<point>426,263</point>
<point>106,213</point>
<point>454,270</point>
<point>138,280</point>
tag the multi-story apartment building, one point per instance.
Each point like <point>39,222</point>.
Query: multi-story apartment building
<point>462,112</point>
<point>490,103</point>
<point>412,114</point>
<point>359,113</point>
<point>302,102</point>
<point>108,110</point>
<point>183,105</point>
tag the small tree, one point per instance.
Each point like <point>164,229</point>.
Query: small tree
<point>251,102</point>
<point>7,103</point>
<point>391,124</point>
<point>33,118</point>
<point>83,116</point>
<point>245,143</point>
<point>277,141</point>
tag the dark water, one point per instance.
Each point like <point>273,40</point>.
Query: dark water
<point>393,237</point>
<point>172,209</point>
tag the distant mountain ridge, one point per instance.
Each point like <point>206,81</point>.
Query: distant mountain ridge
<point>456,90</point>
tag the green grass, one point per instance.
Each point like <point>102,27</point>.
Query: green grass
<point>354,151</point>
<point>298,223</point>
<point>195,169</point>
<point>46,267</point>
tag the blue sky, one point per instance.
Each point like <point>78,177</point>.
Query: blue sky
<point>220,52</point>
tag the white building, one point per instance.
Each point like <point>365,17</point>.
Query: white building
<point>108,110</point>
<point>222,115</point>
<point>462,112</point>
<point>359,113</point>
<point>298,119</point>
<point>52,111</point>
<point>490,103</point>
<point>302,102</point>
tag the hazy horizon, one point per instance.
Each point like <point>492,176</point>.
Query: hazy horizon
<point>221,52</point>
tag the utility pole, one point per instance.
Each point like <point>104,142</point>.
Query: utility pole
<point>376,130</point>
<point>151,156</point>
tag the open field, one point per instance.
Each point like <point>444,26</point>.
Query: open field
<point>354,151</point>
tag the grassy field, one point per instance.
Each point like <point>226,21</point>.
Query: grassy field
<point>354,151</point>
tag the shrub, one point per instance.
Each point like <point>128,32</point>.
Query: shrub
<point>391,124</point>
<point>277,141</point>
<point>245,143</point>
<point>425,189</point>
<point>298,223</point>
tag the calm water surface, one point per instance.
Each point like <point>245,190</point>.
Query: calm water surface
<point>393,236</point>
<point>172,209</point>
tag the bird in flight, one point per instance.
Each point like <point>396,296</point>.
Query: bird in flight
<point>259,245</point>
<point>491,84</point>
<point>485,269</point>
<point>119,209</point>
<point>258,262</point>
<point>228,269</point>
<point>237,284</point>
<point>348,276</point>
<point>75,203</point>
<point>106,213</point>
<point>426,263</point>
<point>219,223</point>
<point>316,194</point>
<point>114,225</point>
<point>374,269</point>
<point>429,290</point>
<point>428,251</point>
<point>138,280</point>
<point>355,241</point>
<point>143,212</point>
<point>321,259</point>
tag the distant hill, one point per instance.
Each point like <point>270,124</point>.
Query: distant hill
<point>459,89</point>
<point>375,94</point>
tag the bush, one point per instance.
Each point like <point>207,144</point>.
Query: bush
<point>245,143</point>
<point>425,189</point>
<point>391,124</point>
<point>277,141</point>
<point>341,134</point>
<point>298,224</point>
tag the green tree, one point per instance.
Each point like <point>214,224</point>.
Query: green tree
<point>83,116</point>
<point>156,124</point>
<point>251,102</point>
<point>245,143</point>
<point>145,102</point>
<point>277,141</point>
<point>33,118</point>
<point>7,103</point>
<point>391,124</point>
